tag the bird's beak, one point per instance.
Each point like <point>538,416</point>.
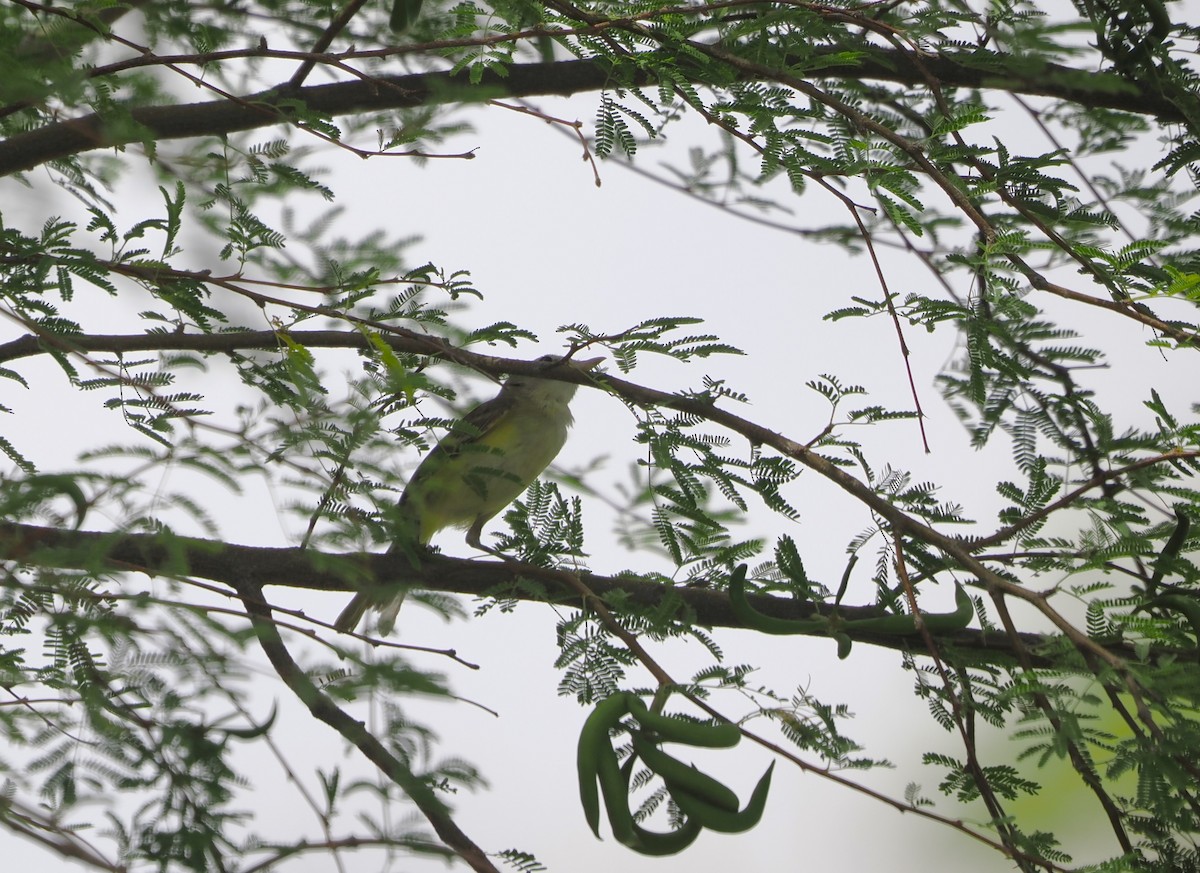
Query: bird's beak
<point>587,364</point>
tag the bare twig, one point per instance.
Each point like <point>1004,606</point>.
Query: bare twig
<point>31,823</point>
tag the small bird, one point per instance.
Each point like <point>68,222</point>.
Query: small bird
<point>483,464</point>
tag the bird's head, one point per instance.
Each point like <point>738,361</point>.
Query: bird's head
<point>548,391</point>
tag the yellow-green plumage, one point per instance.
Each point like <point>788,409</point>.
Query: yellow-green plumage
<point>487,460</point>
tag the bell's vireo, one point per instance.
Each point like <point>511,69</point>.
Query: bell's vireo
<point>483,464</point>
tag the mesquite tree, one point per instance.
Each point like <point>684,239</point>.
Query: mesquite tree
<point>1030,171</point>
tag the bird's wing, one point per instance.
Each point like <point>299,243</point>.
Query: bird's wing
<point>470,427</point>
<point>474,425</point>
<point>412,509</point>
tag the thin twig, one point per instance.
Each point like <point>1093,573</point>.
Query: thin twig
<point>340,22</point>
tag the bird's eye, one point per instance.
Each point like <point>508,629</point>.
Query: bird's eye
<point>546,359</point>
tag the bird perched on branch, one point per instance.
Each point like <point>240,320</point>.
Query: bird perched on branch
<point>483,464</point>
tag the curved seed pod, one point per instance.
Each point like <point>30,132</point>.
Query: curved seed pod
<point>1188,607</point>
<point>844,644</point>
<point>685,776</point>
<point>1170,552</point>
<point>647,842</point>
<point>614,786</point>
<point>768,624</point>
<point>41,486</point>
<point>721,820</point>
<point>948,622</point>
<point>897,624</point>
<point>905,624</point>
<point>252,733</point>
<point>593,743</point>
<point>669,843</point>
<point>902,624</point>
<point>404,13</point>
<point>679,730</point>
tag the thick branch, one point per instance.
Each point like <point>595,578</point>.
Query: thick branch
<point>66,138</point>
<point>214,118</point>
<point>29,345</point>
<point>323,708</point>
<point>237,565</point>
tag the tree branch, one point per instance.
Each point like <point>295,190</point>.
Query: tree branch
<point>279,106</point>
<point>40,828</point>
<point>238,565</point>
<point>30,345</point>
<point>324,709</point>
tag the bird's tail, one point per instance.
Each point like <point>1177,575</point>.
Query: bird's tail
<point>350,617</point>
<point>408,541</point>
<point>388,612</point>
